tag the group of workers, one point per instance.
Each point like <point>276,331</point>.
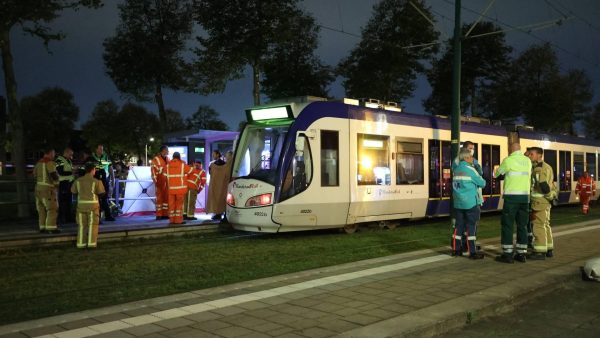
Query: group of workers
<point>529,191</point>
<point>56,184</point>
<point>178,184</point>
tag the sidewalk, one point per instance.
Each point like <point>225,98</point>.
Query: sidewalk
<point>421,293</point>
<point>26,233</point>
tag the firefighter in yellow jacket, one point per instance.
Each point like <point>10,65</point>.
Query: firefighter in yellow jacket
<point>88,190</point>
<point>542,194</point>
<point>46,199</point>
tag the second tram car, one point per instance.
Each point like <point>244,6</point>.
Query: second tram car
<point>310,163</point>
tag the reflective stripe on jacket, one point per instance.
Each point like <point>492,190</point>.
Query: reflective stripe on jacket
<point>176,174</point>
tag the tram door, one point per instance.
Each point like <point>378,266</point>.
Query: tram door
<point>440,178</point>
<point>490,161</point>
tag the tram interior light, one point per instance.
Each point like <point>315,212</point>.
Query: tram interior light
<point>372,143</point>
<point>366,162</point>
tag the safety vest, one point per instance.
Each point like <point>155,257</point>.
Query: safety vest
<point>87,189</point>
<point>196,179</point>
<point>102,162</point>
<point>158,167</point>
<point>64,167</point>
<point>516,169</point>
<point>541,175</point>
<point>42,172</point>
<point>177,172</point>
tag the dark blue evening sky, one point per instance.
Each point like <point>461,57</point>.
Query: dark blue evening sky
<point>76,62</point>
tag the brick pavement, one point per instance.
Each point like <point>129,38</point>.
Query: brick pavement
<point>421,293</point>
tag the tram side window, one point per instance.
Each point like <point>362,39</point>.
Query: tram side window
<point>590,159</point>
<point>440,162</point>
<point>550,159</point>
<point>490,161</point>
<point>329,158</point>
<point>373,160</point>
<point>577,165</point>
<point>564,160</point>
<point>409,162</point>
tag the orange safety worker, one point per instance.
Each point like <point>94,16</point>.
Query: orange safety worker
<point>158,169</point>
<point>177,172</point>
<point>46,188</point>
<point>196,181</point>
<point>586,188</point>
<point>88,190</point>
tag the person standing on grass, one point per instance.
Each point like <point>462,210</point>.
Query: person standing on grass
<point>466,183</point>
<point>88,190</point>
<point>516,170</point>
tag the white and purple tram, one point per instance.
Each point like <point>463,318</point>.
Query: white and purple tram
<point>313,164</point>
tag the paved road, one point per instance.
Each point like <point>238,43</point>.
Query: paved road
<point>571,311</point>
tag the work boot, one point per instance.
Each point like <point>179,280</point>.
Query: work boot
<point>109,219</point>
<point>477,255</point>
<point>537,256</point>
<point>457,253</point>
<point>521,258</point>
<point>191,218</point>
<point>505,258</point>
<point>550,254</point>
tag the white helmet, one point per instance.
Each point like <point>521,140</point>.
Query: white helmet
<point>591,270</point>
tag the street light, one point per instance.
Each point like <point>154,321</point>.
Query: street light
<point>151,139</point>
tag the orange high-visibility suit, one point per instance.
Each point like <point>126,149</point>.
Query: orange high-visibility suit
<point>158,169</point>
<point>177,172</point>
<point>586,188</point>
<point>196,181</point>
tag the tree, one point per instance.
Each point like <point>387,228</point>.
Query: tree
<point>48,119</point>
<point>146,54</point>
<point>32,17</point>
<point>293,69</point>
<point>592,123</point>
<point>206,118</point>
<point>124,130</point>
<point>384,65</point>
<point>174,121</point>
<point>484,60</point>
<point>246,33</point>
<point>535,90</point>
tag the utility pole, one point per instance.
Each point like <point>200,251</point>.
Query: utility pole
<point>455,120</point>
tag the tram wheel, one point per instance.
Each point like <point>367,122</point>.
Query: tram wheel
<point>350,228</point>
<point>391,225</point>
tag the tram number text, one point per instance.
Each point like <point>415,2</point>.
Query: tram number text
<point>306,211</point>
<point>260,213</point>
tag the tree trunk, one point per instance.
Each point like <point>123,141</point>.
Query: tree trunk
<point>256,82</point>
<point>162,113</point>
<point>16,125</point>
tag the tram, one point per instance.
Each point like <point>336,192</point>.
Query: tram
<point>310,163</point>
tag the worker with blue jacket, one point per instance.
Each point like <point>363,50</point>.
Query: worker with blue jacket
<point>466,182</point>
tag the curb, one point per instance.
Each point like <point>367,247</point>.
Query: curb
<point>110,236</point>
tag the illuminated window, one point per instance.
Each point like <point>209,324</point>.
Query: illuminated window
<point>373,160</point>
<point>578,165</point>
<point>329,158</point>
<point>590,159</point>
<point>409,162</point>
<point>490,161</point>
<point>440,175</point>
<point>564,175</point>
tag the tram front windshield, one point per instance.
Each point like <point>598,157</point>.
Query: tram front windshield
<point>258,152</point>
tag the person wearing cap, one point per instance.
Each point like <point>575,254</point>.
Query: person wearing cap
<point>158,168</point>
<point>46,201</point>
<point>89,191</point>
<point>177,172</point>
<point>196,181</point>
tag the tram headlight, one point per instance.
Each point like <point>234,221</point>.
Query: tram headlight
<point>230,200</point>
<point>260,200</point>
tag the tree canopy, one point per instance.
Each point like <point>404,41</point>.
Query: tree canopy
<point>206,118</point>
<point>485,59</point>
<point>48,119</point>
<point>391,53</point>
<point>253,33</point>
<point>146,54</point>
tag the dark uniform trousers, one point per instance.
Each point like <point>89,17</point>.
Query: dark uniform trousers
<point>514,212</point>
